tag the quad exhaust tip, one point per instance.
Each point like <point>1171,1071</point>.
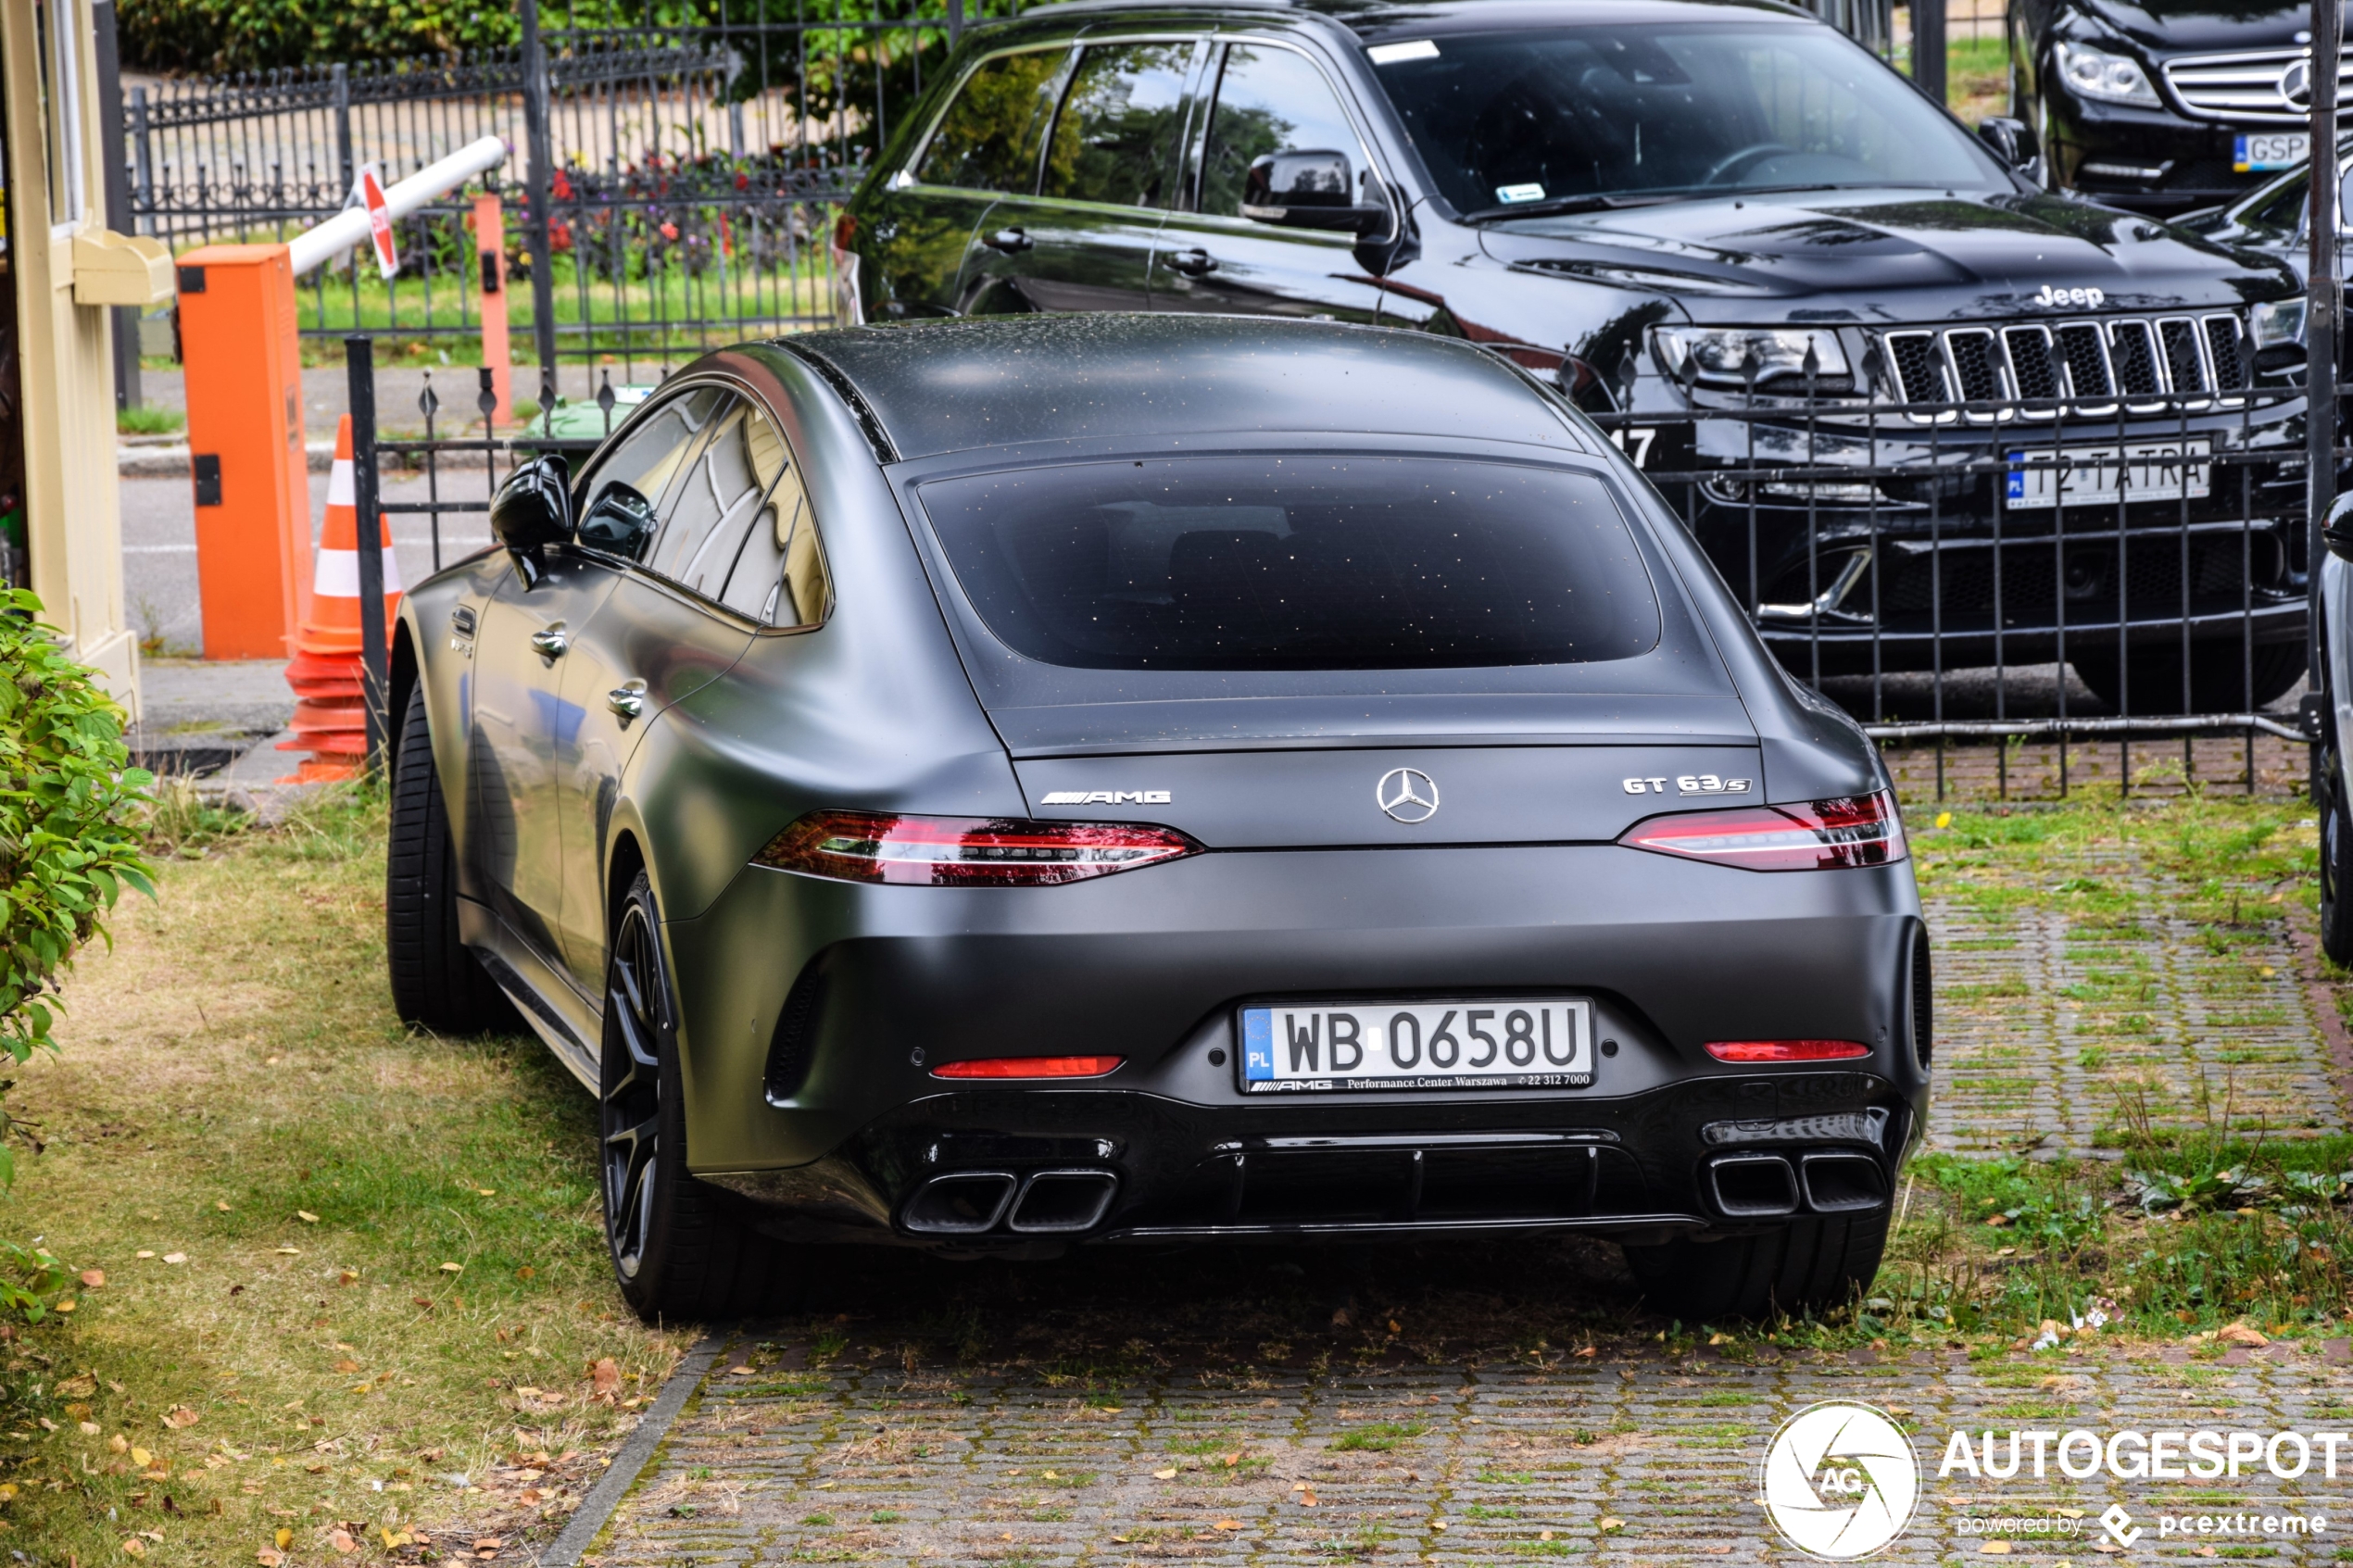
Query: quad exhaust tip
<point>1764,1186</point>
<point>1046,1203</point>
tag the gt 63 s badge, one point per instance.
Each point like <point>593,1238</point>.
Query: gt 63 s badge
<point>1840,1480</point>
<point>1688,783</point>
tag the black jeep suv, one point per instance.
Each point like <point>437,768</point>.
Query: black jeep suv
<point>2060,431</point>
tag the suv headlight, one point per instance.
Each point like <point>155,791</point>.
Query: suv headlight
<point>2276,323</point>
<point>2114,78</point>
<point>1721,356</point>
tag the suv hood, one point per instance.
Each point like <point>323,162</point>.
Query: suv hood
<point>1885,255</point>
<point>2166,28</point>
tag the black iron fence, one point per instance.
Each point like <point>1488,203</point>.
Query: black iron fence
<point>670,188</point>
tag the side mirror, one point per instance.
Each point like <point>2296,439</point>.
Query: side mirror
<point>2011,140</point>
<point>1308,190</point>
<point>2337,529</point>
<point>533,507</point>
<point>619,521</point>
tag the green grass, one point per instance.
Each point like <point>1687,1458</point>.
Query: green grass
<point>1379,1437</point>
<point>147,419</point>
<point>385,1238</point>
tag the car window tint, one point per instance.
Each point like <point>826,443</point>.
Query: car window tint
<point>984,142</point>
<point>1293,563</point>
<point>780,575</point>
<point>1268,101</point>
<point>649,458</point>
<point>1613,110</point>
<point>1115,138</point>
<point>716,500</point>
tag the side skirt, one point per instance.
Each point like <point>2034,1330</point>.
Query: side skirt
<point>557,1014</point>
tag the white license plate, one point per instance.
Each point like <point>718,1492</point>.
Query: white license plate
<point>2087,476</point>
<point>1514,1044</point>
<point>2264,151</point>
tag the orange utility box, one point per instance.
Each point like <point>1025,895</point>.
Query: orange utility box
<point>243,357</point>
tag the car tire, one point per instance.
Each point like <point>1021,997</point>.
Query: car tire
<point>437,981</point>
<point>678,1250</point>
<point>2336,862</point>
<point>1808,1265</point>
<point>2217,684</point>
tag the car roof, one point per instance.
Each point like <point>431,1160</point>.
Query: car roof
<point>1158,379</point>
<point>1371,20</point>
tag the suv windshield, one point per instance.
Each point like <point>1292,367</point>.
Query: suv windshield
<point>1513,120</point>
<point>1297,563</point>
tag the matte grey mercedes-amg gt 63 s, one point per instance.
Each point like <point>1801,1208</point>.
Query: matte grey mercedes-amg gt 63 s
<point>1000,786</point>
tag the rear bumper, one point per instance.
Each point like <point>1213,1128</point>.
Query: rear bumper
<point>812,1013</point>
<point>1037,1170</point>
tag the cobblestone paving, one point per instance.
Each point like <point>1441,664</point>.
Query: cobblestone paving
<point>1636,1462</point>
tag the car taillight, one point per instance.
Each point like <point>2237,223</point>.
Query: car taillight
<point>1855,829</point>
<point>966,851</point>
<point>845,231</point>
<point>1030,1067</point>
<point>1786,1051</point>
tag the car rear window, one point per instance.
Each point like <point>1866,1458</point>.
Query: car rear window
<point>1265,562</point>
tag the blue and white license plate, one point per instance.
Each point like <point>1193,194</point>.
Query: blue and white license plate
<point>2096,476</point>
<point>1516,1043</point>
<point>2263,152</point>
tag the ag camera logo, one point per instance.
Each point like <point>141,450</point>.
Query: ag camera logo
<point>1840,1480</point>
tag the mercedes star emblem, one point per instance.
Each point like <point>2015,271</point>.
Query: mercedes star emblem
<point>1408,795</point>
<point>2296,84</point>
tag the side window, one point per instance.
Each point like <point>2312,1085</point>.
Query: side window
<point>623,495</point>
<point>780,577</point>
<point>1268,101</point>
<point>1115,138</point>
<point>986,141</point>
<point>717,500</point>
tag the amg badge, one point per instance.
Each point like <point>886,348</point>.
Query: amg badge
<point>1105,798</point>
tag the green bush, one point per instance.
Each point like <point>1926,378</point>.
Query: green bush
<point>69,846</point>
<point>226,35</point>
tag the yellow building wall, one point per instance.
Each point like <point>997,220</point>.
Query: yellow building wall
<point>73,502</point>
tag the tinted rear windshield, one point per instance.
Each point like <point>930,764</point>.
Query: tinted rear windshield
<point>1297,563</point>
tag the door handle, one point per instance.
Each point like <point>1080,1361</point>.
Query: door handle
<point>627,702</point>
<point>550,642</point>
<point>1011,241</point>
<point>1194,263</point>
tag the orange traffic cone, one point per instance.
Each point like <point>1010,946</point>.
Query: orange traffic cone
<point>331,715</point>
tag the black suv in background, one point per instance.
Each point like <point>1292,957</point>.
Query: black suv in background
<point>2162,107</point>
<point>1686,212</point>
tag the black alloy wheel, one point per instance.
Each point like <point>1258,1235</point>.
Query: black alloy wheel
<point>437,981</point>
<point>2219,681</point>
<point>679,1248</point>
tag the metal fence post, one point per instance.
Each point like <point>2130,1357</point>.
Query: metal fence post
<point>359,364</point>
<point>349,171</point>
<point>539,181</point>
<point>955,22</point>
<point>2320,324</point>
<point>1928,47</point>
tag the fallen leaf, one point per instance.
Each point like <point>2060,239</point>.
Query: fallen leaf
<point>2239,1333</point>
<point>1229,1523</point>
<point>142,1458</point>
<point>347,1277</point>
<point>340,1539</point>
<point>739,1371</point>
<point>1168,1474</point>
<point>527,1392</point>
<point>1232,1460</point>
<point>346,1365</point>
<point>182,1416</point>
<point>1543,1535</point>
<point>175,1256</point>
<point>221,1204</point>
<point>285,1536</point>
<point>79,1388</point>
<point>306,1216</point>
<point>143,1254</point>
<point>1307,1498</point>
<point>270,1556</point>
<point>1588,1352</point>
<point>91,1429</point>
<point>290,1251</point>
<point>94,1278</point>
<point>134,1546</point>
<point>606,1375</point>
<point>488,1543</point>
<point>1613,1524</point>
<point>1996,1549</point>
<point>119,1443</point>
<point>453,1268</point>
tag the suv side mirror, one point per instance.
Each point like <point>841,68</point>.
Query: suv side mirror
<point>2337,529</point>
<point>532,508</point>
<point>1308,190</point>
<point>2011,140</point>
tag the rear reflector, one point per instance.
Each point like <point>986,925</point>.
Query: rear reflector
<point>1030,1067</point>
<point>1786,1051</point>
<point>966,851</point>
<point>1859,830</point>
